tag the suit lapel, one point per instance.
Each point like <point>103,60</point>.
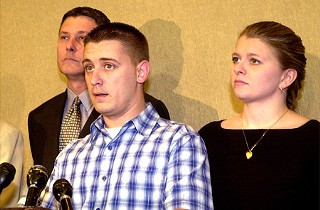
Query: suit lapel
<point>51,119</point>
<point>86,128</point>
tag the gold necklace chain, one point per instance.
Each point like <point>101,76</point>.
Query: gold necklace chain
<point>249,152</point>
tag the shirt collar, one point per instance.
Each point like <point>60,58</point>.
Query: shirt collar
<point>84,97</point>
<point>144,122</point>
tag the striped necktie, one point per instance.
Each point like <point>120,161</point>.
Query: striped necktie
<point>71,124</point>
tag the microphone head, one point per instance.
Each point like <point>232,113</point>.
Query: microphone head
<point>37,177</point>
<point>62,188</point>
<point>7,173</point>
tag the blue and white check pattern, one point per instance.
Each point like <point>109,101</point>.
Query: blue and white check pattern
<point>152,163</point>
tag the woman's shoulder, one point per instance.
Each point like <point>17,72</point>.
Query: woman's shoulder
<point>296,120</point>
<point>233,123</point>
<point>311,125</point>
<point>211,126</point>
<point>225,124</point>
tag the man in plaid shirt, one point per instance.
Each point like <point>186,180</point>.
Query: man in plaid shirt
<point>133,158</point>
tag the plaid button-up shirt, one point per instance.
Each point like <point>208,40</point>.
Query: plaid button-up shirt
<point>152,163</point>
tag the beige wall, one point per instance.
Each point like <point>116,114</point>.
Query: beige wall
<point>190,44</point>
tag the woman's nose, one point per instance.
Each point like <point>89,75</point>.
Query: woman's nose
<point>239,68</point>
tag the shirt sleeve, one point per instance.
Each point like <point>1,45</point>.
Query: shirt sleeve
<point>188,180</point>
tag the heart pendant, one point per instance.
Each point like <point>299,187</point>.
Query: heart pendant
<point>248,154</point>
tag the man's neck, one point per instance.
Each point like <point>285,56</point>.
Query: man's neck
<point>120,119</point>
<point>77,86</point>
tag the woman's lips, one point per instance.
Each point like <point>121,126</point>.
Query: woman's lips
<point>239,82</point>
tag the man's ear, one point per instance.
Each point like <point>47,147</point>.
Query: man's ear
<point>287,78</point>
<point>143,69</point>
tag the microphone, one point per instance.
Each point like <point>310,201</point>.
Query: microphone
<point>7,172</point>
<point>62,191</point>
<point>37,178</point>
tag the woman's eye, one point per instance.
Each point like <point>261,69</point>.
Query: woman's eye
<point>235,59</point>
<point>255,61</point>
<point>88,68</point>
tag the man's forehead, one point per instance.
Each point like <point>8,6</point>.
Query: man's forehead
<point>105,44</point>
<point>104,48</point>
<point>82,24</point>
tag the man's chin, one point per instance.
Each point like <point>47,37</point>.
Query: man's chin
<point>102,109</point>
<point>72,72</point>
<point>71,68</point>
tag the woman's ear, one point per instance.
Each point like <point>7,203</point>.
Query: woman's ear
<point>143,69</point>
<point>287,78</point>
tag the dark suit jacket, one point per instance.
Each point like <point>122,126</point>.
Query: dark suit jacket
<point>44,127</point>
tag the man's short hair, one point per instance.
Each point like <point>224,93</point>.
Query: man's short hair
<point>98,16</point>
<point>130,37</point>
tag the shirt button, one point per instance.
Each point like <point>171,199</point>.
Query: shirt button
<point>97,208</point>
<point>110,147</point>
<point>104,178</point>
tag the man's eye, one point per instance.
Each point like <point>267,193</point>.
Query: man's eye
<point>88,68</point>
<point>109,66</point>
<point>63,37</point>
<point>81,38</point>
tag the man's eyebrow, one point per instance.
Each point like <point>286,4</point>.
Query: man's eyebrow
<point>86,60</point>
<point>78,32</point>
<point>108,59</point>
<point>102,59</point>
